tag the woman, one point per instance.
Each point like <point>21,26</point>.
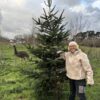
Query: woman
<point>78,70</point>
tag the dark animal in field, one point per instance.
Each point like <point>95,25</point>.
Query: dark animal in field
<point>20,54</point>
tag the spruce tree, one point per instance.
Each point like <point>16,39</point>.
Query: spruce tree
<point>51,38</point>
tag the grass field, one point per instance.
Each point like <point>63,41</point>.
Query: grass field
<point>14,85</point>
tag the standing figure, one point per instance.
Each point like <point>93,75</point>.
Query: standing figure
<point>78,70</point>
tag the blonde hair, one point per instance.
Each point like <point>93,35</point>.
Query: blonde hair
<point>73,43</point>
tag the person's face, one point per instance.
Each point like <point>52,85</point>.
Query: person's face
<point>72,48</point>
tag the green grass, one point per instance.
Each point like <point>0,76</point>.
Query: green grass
<point>14,85</point>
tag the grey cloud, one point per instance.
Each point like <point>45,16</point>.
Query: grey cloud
<point>68,2</point>
<point>13,21</point>
<point>16,20</point>
<point>19,20</point>
<point>90,9</point>
<point>93,16</point>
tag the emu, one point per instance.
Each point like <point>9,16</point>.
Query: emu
<point>20,54</point>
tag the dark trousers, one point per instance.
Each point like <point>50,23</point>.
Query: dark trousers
<point>77,87</point>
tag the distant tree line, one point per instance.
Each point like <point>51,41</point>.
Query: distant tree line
<point>88,38</point>
<point>3,39</point>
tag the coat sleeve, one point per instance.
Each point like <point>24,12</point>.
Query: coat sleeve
<point>88,69</point>
<point>62,55</point>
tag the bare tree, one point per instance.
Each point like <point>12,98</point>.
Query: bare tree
<point>78,23</point>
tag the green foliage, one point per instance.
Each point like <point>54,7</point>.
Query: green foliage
<point>17,78</point>
<point>13,84</point>
<point>51,38</point>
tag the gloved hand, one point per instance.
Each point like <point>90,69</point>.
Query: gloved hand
<point>90,82</point>
<point>58,52</point>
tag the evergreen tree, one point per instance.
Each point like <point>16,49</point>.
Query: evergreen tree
<point>51,38</point>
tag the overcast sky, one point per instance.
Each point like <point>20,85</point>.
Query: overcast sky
<point>16,15</point>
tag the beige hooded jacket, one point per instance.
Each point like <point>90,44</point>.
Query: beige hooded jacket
<point>78,66</point>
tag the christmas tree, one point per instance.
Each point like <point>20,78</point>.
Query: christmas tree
<point>51,38</point>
